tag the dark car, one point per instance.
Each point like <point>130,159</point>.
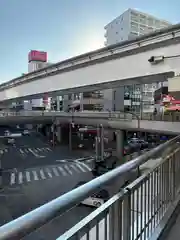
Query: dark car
<point>137,144</point>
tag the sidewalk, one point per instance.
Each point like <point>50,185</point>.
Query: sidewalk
<point>175,230</point>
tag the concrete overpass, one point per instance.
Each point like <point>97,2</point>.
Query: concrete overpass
<point>109,121</point>
<point>121,64</point>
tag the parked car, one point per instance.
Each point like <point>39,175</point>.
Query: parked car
<point>96,200</point>
<point>9,141</point>
<point>26,132</point>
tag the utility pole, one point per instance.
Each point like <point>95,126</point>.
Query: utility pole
<point>70,136</point>
<point>1,185</point>
<point>102,142</point>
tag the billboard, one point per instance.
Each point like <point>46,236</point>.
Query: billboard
<point>35,55</point>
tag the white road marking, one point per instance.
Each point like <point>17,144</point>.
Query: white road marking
<point>68,169</point>
<point>49,173</point>
<point>62,171</point>
<point>65,160</point>
<point>79,166</point>
<point>21,151</point>
<point>35,175</point>
<point>13,178</point>
<point>55,172</point>
<point>75,168</point>
<point>1,151</point>
<point>42,174</point>
<point>28,178</point>
<point>20,178</point>
<point>85,166</point>
<point>48,149</point>
<point>30,150</point>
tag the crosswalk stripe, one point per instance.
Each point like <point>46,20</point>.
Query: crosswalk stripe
<point>85,166</point>
<point>55,172</point>
<point>20,178</point>
<point>62,171</point>
<point>13,178</point>
<point>49,173</point>
<point>28,178</point>
<point>68,169</point>
<point>49,150</point>
<point>80,167</point>
<point>35,175</point>
<point>32,152</point>
<point>74,167</point>
<point>42,174</point>
<point>21,151</point>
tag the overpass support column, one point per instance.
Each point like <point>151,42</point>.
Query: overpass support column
<point>59,137</point>
<point>81,102</point>
<point>70,136</point>
<point>119,144</point>
<point>58,103</point>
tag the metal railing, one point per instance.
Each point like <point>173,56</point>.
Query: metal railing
<point>128,116</point>
<point>160,181</point>
<point>167,117</point>
<point>141,206</point>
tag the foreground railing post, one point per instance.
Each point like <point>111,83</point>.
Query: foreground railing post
<point>115,221</point>
<point>127,217</point>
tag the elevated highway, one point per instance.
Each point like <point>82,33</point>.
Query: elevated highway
<point>114,120</point>
<point>121,64</point>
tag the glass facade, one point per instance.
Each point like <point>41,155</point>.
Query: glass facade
<point>140,97</point>
<point>132,97</point>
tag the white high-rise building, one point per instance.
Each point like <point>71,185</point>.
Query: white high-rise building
<point>131,24</point>
<point>127,26</point>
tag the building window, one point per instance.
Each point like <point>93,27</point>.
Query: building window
<point>134,28</point>
<point>150,21</point>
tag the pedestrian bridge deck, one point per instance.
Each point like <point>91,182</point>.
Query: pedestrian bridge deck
<point>112,120</point>
<point>174,232</point>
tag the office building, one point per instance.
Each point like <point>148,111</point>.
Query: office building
<point>128,26</point>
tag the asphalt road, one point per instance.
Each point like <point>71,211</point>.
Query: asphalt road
<point>35,173</point>
<point>21,199</point>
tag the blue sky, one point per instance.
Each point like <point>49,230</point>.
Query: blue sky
<point>63,28</point>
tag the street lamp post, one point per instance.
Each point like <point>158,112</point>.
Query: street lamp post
<point>102,142</point>
<point>70,130</point>
<point>1,172</point>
